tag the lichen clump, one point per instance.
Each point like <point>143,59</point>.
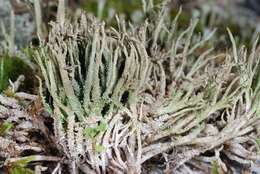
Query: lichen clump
<point>121,97</point>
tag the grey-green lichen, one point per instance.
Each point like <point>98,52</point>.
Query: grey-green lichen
<point>120,97</point>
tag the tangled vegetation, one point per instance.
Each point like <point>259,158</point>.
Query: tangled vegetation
<point>120,97</point>
<point>124,99</point>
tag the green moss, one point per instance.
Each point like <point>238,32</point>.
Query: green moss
<point>214,169</point>
<point>92,132</point>
<point>5,127</point>
<point>99,148</point>
<point>24,161</point>
<point>20,170</point>
<point>10,69</point>
<point>19,166</point>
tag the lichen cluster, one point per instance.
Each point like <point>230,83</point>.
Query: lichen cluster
<point>123,96</point>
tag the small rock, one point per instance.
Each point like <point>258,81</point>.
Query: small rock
<point>24,25</point>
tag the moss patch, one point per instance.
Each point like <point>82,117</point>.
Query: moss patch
<point>10,69</point>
